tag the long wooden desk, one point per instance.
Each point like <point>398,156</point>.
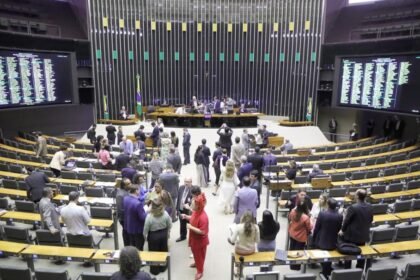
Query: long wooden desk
<point>30,142</point>
<point>20,151</point>
<point>104,256</point>
<point>91,200</point>
<point>12,193</point>
<point>376,179</point>
<point>12,248</point>
<point>395,195</point>
<point>296,123</point>
<point>404,247</point>
<point>118,122</point>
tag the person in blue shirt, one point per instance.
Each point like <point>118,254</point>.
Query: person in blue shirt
<point>134,217</point>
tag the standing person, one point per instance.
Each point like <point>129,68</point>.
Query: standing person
<point>119,202</point>
<point>245,140</point>
<point>244,170</point>
<point>292,170</point>
<point>155,167</point>
<point>299,229</point>
<point>98,144</point>
<point>354,133</point>
<point>398,127</point>
<point>238,150</point>
<point>121,161</point>
<point>140,148</point>
<point>219,164</point>
<point>370,127</point>
<point>104,157</point>
<point>318,207</point>
<point>356,226</point>
<point>174,139</point>
<point>265,135</point>
<point>387,127</point>
<point>332,126</point>
<point>123,113</point>
<point>206,152</point>
<point>41,146</point>
<point>287,146</point>
<point>91,134</point>
<point>157,228</point>
<point>229,182</point>
<point>50,217</point>
<point>174,160</point>
<point>246,199</point>
<point>126,145</point>
<point>326,231</point>
<point>35,184</point>
<point>110,130</point>
<point>225,137</point>
<point>245,235</point>
<point>269,159</point>
<point>140,133</point>
<point>183,206</point>
<point>165,142</point>
<point>301,197</point>
<point>134,216</point>
<point>255,184</point>
<point>217,152</point>
<point>75,217</point>
<point>186,144</point>
<point>199,233</point>
<point>58,161</point>
<point>130,264</point>
<point>170,183</point>
<point>155,134</point>
<point>257,161</point>
<point>269,228</point>
<point>216,105</point>
<point>201,173</point>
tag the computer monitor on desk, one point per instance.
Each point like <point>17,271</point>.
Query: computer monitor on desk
<point>272,275</point>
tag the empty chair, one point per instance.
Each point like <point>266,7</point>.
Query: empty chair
<point>389,171</point>
<point>370,161</point>
<point>330,148</point>
<point>48,173</point>
<point>338,177</point>
<point>83,164</point>
<point>356,163</point>
<point>399,157</point>
<point>372,174</point>
<point>380,208</point>
<point>82,241</point>
<point>105,177</point>
<point>301,179</point>
<point>395,187</point>
<point>414,154</point>
<point>414,206</point>
<point>413,185</point>
<point>320,149</point>
<point>22,185</point>
<point>402,206</point>
<point>341,165</point>
<point>364,153</point>
<point>66,189</point>
<point>273,168</point>
<point>313,194</point>
<point>330,156</point>
<point>342,155</point>
<point>355,154</point>
<point>102,213</point>
<point>358,175</point>
<point>94,192</point>
<point>45,237</point>
<point>380,160</point>
<point>17,234</point>
<point>337,192</point>
<point>68,175</point>
<point>406,232</point>
<point>47,274</point>
<point>313,158</point>
<point>381,273</point>
<point>377,189</point>
<point>10,184</point>
<point>13,273</point>
<point>25,206</point>
<point>4,203</point>
<point>306,276</point>
<point>415,167</point>
<point>325,166</point>
<point>411,271</point>
<point>95,276</point>
<point>382,235</point>
<point>4,167</point>
<point>15,168</point>
<point>346,274</point>
<point>401,170</point>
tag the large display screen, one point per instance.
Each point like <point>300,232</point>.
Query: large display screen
<point>387,83</point>
<point>35,78</point>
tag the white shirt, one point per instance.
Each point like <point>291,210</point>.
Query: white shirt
<point>58,160</point>
<point>76,218</point>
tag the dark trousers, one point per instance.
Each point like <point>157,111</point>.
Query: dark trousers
<point>125,235</point>
<point>296,245</point>
<point>333,135</point>
<point>137,240</point>
<point>152,183</point>
<point>228,149</point>
<point>158,242</point>
<point>183,224</point>
<point>206,173</point>
<point>326,269</point>
<point>218,173</point>
<point>56,172</point>
<point>360,262</point>
<point>186,150</point>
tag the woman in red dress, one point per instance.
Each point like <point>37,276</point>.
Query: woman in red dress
<point>199,230</point>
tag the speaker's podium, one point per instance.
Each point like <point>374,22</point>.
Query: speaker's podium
<point>277,186</point>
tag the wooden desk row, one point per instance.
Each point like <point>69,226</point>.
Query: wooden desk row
<point>30,142</point>
<point>395,195</point>
<point>294,124</point>
<point>383,179</point>
<point>319,256</point>
<point>97,256</point>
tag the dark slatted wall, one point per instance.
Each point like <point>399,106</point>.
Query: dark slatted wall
<point>252,50</point>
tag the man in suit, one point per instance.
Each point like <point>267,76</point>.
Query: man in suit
<point>217,106</point>
<point>265,134</point>
<point>186,144</point>
<point>183,206</point>
<point>245,140</point>
<point>244,170</point>
<point>50,216</point>
<point>127,146</point>
<point>41,143</point>
<point>327,226</point>
<point>332,126</point>
<point>110,130</point>
<point>75,217</point>
<point>300,196</point>
<point>315,172</point>
<point>170,183</point>
<point>140,133</point>
<point>174,160</point>
<point>216,166</point>
<point>246,199</point>
<point>121,161</point>
<point>257,161</point>
<point>225,137</point>
<point>286,146</point>
<point>91,134</point>
<point>140,148</point>
<point>356,225</point>
<point>206,152</point>
<point>255,184</point>
<point>238,150</point>
<point>269,159</point>
<point>155,134</point>
<point>35,183</point>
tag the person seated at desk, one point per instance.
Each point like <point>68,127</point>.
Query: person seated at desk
<point>180,110</point>
<point>316,171</point>
<point>35,183</point>
<point>105,158</point>
<point>194,103</point>
<point>269,159</point>
<point>123,113</point>
<point>50,216</point>
<point>269,228</point>
<point>292,170</point>
<point>126,146</point>
<point>140,148</point>
<point>75,217</point>
<point>130,264</point>
<point>140,133</point>
<point>287,146</point>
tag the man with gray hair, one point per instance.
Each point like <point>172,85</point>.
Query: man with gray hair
<point>315,172</point>
<point>126,146</point>
<point>174,159</point>
<point>75,217</point>
<point>170,183</point>
<point>244,170</point>
<point>50,216</point>
<point>183,206</point>
<point>287,146</point>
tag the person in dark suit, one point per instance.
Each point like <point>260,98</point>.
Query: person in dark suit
<point>174,160</point>
<point>170,183</point>
<point>326,231</point>
<point>216,167</point>
<point>217,105</point>
<point>244,170</point>
<point>354,133</point>
<point>121,161</point>
<point>387,127</point>
<point>300,196</point>
<point>186,144</point>
<point>155,134</point>
<point>257,161</point>
<point>206,152</point>
<point>398,127</point>
<point>356,226</point>
<point>292,171</point>
<point>255,184</point>
<point>225,137</point>
<point>183,206</point>
<point>370,127</point>
<point>332,126</point>
<point>174,139</point>
<point>91,134</point>
<point>110,130</point>
<point>35,183</point>
<point>140,133</point>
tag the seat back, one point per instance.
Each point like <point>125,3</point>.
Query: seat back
<point>397,158</point>
<point>413,185</point>
<point>15,168</point>
<point>356,163</point>
<point>95,276</point>
<point>17,234</point>
<point>101,212</point>
<point>66,189</point>
<point>381,208</point>
<point>273,168</point>
<point>306,276</point>
<point>4,203</point>
<point>395,187</point>
<point>337,192</point>
<point>45,237</point>
<point>68,175</point>
<point>406,232</point>
<point>358,175</point>
<point>414,154</point>
<point>44,274</point>
<point>25,206</point>
<point>313,193</point>
<point>415,167</point>
<point>13,273</point>
<point>414,206</point>
<point>94,192</point>
<point>370,161</point>
<point>402,206</point>
<point>22,185</point>
<point>10,184</point>
<point>412,271</point>
<point>285,195</point>
<point>372,174</point>
<point>389,171</point>
<point>347,274</point>
<point>377,189</point>
<point>4,167</point>
<point>325,166</point>
<point>341,165</point>
<point>401,170</point>
<point>301,179</point>
<point>82,241</point>
<point>382,235</point>
<point>380,160</point>
<point>105,177</point>
<point>381,273</point>
<point>338,177</point>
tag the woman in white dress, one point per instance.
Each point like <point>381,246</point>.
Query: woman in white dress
<point>165,142</point>
<point>228,183</point>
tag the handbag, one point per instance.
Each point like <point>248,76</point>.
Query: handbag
<point>347,248</point>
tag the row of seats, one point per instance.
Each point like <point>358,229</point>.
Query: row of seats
<point>389,235</point>
<point>13,273</point>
